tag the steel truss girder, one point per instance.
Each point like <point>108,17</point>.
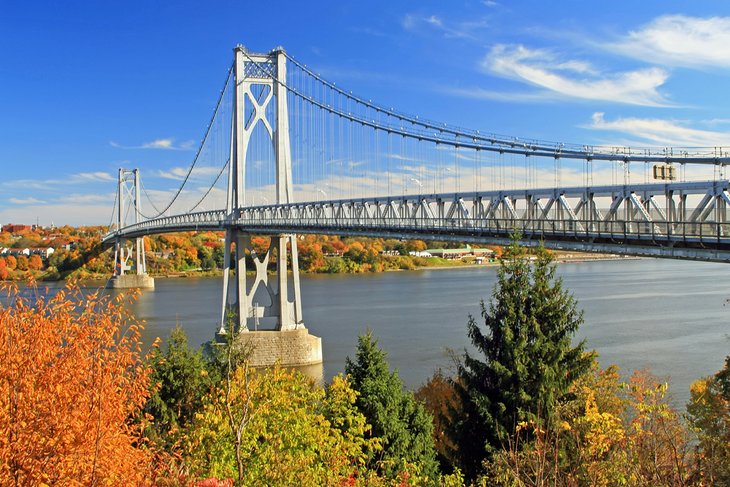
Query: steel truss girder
<point>646,216</point>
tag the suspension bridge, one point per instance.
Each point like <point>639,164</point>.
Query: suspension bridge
<point>303,155</point>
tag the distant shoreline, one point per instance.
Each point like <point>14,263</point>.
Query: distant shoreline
<point>561,258</point>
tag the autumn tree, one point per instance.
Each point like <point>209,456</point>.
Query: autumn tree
<point>290,431</point>
<point>440,399</point>
<point>30,239</point>
<point>311,258</point>
<point>71,377</point>
<point>608,433</point>
<point>22,263</point>
<point>207,262</point>
<point>64,260</point>
<point>527,362</point>
<point>709,415</point>
<point>657,439</point>
<point>399,421</point>
<point>416,246</point>
<point>35,263</point>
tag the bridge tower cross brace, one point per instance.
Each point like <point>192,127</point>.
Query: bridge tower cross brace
<point>268,70</point>
<point>128,196</point>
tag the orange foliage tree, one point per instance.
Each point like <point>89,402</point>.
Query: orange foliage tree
<point>35,263</point>
<point>22,263</point>
<point>71,379</point>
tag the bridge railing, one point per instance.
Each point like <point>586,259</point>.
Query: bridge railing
<point>658,215</point>
<point>666,233</point>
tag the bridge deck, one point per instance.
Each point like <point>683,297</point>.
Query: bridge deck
<point>648,220</point>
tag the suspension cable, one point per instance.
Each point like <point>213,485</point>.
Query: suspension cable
<point>144,190</point>
<point>513,145</point>
<point>200,147</point>
<point>114,207</point>
<point>210,188</point>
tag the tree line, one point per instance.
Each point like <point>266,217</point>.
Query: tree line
<point>79,254</point>
<point>526,405</point>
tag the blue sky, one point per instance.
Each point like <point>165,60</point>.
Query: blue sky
<point>88,87</point>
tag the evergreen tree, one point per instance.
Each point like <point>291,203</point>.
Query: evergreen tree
<point>723,379</point>
<point>397,419</point>
<point>180,379</point>
<point>528,359</point>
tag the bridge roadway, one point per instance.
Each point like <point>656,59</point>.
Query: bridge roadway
<point>686,220</point>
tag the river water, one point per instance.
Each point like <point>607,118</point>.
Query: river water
<point>663,315</point>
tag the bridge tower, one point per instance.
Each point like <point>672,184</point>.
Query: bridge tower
<point>280,310</point>
<point>128,199</point>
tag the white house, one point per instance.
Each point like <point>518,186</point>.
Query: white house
<point>44,252</point>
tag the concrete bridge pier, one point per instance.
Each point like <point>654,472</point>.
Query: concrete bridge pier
<point>120,279</point>
<point>266,323</point>
<point>131,281</point>
<point>291,348</point>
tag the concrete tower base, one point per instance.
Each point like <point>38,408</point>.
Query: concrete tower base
<point>290,348</point>
<point>129,281</point>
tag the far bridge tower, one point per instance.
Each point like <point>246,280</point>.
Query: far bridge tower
<point>128,199</point>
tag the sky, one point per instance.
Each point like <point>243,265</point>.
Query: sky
<point>89,87</point>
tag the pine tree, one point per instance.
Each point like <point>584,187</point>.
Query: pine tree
<point>180,380</point>
<point>525,360</point>
<point>397,419</point>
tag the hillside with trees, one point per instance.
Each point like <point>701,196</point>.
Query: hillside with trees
<point>77,253</point>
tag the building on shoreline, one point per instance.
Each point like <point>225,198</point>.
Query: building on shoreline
<point>468,251</point>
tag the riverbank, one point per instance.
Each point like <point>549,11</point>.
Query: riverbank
<point>560,258</point>
<point>418,264</point>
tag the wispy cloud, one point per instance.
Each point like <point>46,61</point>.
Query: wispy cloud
<point>25,201</point>
<point>92,177</point>
<point>26,184</point>
<point>574,78</point>
<point>370,31</point>
<point>46,184</point>
<point>179,173</point>
<point>661,132</point>
<point>679,40</point>
<point>160,144</point>
<point>65,214</point>
<point>478,93</point>
<point>450,30</point>
<point>89,198</point>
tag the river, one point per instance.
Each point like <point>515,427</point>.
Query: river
<point>663,315</point>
